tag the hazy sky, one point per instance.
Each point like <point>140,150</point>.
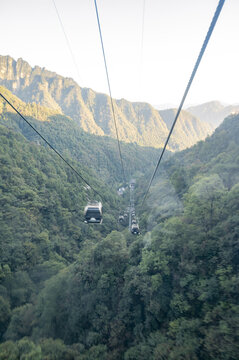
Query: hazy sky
<point>157,73</point>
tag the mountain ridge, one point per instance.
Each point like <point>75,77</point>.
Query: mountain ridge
<point>136,122</point>
<point>99,153</point>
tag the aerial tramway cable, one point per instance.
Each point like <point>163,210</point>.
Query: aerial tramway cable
<point>141,48</point>
<point>137,109</point>
<point>107,73</point>
<point>209,33</point>
<point>108,81</point>
<point>67,41</point>
<point>52,147</point>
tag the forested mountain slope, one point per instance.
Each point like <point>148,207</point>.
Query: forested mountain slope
<point>98,153</point>
<point>187,126</point>
<point>70,291</point>
<point>218,154</point>
<point>41,195</point>
<point>137,122</point>
<point>41,221</point>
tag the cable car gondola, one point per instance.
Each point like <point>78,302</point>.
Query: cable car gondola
<point>121,219</point>
<point>135,229</point>
<point>93,212</point>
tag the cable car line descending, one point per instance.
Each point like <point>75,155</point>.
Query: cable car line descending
<point>52,147</point>
<point>137,109</point>
<point>141,49</point>
<point>108,81</point>
<point>67,41</point>
<point>133,223</point>
<point>209,33</point>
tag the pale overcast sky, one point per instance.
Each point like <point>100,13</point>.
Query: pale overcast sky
<point>173,34</point>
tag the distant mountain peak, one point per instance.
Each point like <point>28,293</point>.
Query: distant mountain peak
<point>213,112</point>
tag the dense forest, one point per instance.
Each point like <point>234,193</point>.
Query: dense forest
<point>73,291</point>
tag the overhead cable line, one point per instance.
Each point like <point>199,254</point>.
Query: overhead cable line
<point>137,109</point>
<point>209,33</point>
<point>108,81</point>
<point>67,41</point>
<point>141,47</point>
<point>52,147</point>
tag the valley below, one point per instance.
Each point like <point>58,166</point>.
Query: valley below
<point>76,291</point>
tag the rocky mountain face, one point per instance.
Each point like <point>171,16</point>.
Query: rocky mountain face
<point>213,112</point>
<point>136,122</point>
